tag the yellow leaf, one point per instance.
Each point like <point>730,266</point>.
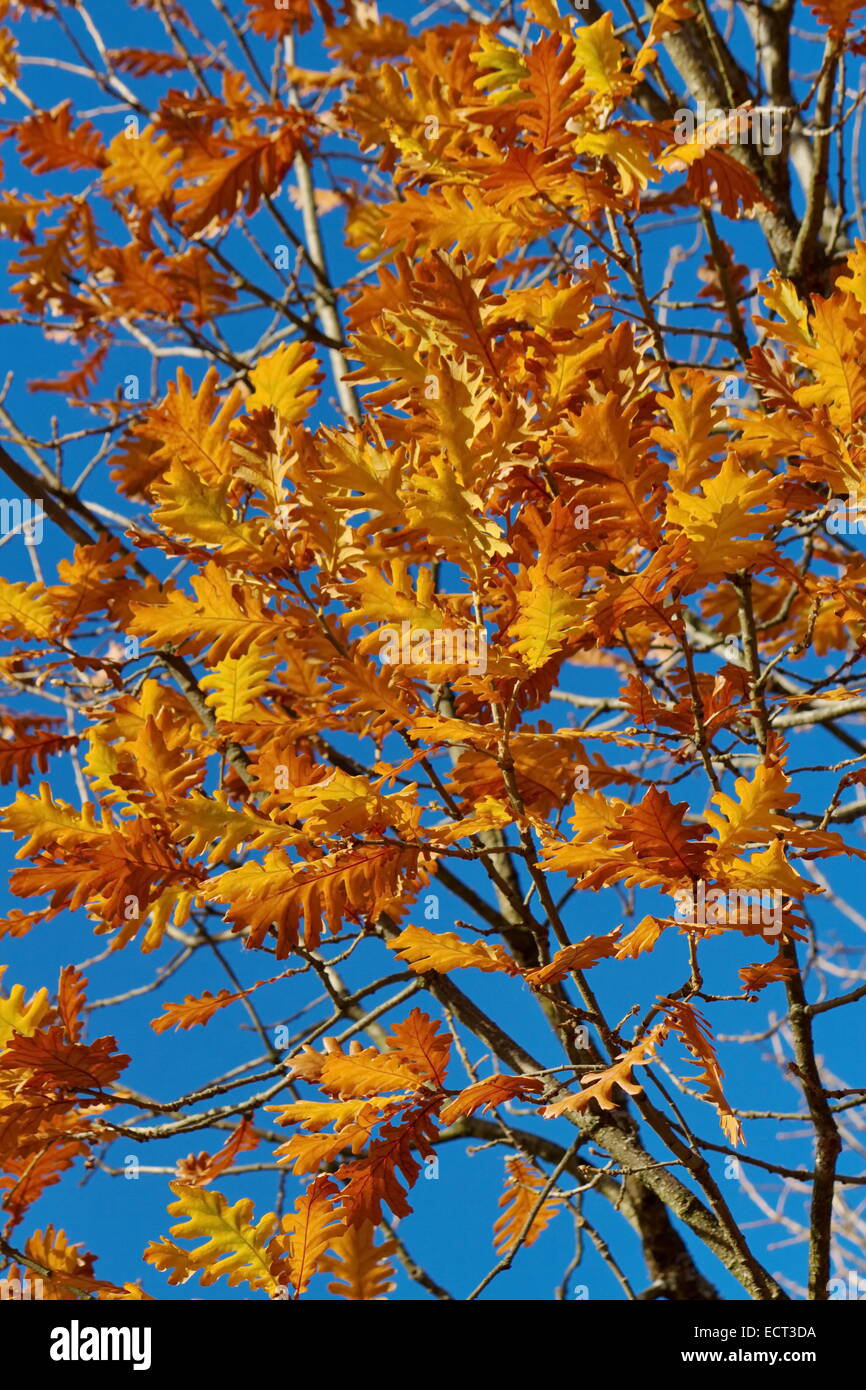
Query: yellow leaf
<point>232,1244</point>
<point>443,951</point>
<point>285,381</point>
<point>599,52</point>
<point>727,524</point>
<point>459,216</point>
<point>25,611</point>
<point>524,1185</point>
<point>225,618</point>
<point>836,361</point>
<point>46,823</point>
<point>216,825</point>
<point>362,1269</point>
<point>667,17</point>
<point>769,871</point>
<point>145,163</point>
<point>16,1016</point>
<point>189,508</point>
<point>693,418</point>
<point>236,684</point>
<point>854,282</point>
<point>630,154</point>
<point>549,617</point>
<point>452,516</point>
<point>757,814</point>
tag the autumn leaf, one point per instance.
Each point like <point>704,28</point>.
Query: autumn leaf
<point>599,1086</point>
<point>308,1234</point>
<point>144,163</point>
<point>486,1095</point>
<point>497,542</point>
<point>694,1031</point>
<point>285,382</point>
<point>363,1270</point>
<point>230,1244</point>
<point>444,951</point>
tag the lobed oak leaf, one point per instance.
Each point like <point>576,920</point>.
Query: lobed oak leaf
<point>237,684</point>
<point>362,1269</point>
<point>232,1245</point>
<point>599,53</point>
<point>294,16</point>
<point>145,62</point>
<point>358,883</point>
<point>195,1010</point>
<point>47,142</point>
<point>549,619</point>
<point>581,956</point>
<point>694,417</point>
<point>767,872</point>
<point>366,1073</point>
<point>70,1001</point>
<point>835,14</point>
<point>667,18</point>
<point>373,1180</point>
<point>171,1259</point>
<point>25,742</point>
<point>631,155</point>
<point>459,217</point>
<point>212,824</point>
<point>758,815</point>
<point>694,1031</point>
<point>191,426</point>
<point>487,1094</point>
<point>524,1185</point>
<point>658,831</point>
<point>190,509</point>
<point>598,1086</point>
<point>26,1176</point>
<point>19,1018</point>
<point>417,1042</point>
<point>230,180</point>
<point>443,951</point>
<point>221,618</point>
<point>55,1063</point>
<point>642,938</point>
<point>66,1264</point>
<point>834,357</point>
<point>727,525</point>
<point>307,1235</point>
<point>354,1122</point>
<point>286,382</point>
<point>757,977</point>
<point>25,612</point>
<point>144,164</point>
